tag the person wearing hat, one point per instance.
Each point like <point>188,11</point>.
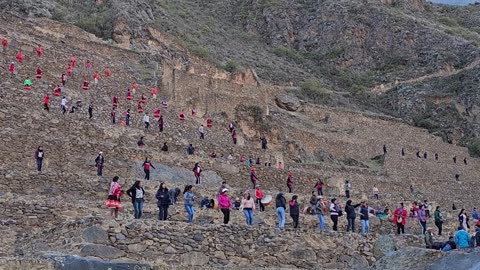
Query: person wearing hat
<point>429,238</point>
<point>99,163</point>
<point>225,204</point>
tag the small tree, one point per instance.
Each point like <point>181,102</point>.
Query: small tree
<point>231,66</point>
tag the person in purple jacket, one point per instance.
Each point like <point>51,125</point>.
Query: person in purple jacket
<point>422,218</point>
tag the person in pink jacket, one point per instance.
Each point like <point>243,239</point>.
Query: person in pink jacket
<point>225,204</point>
<point>248,205</point>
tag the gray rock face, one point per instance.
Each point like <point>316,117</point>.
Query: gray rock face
<point>458,261</point>
<point>102,251</point>
<point>79,263</point>
<point>384,245</point>
<point>95,235</point>
<point>288,103</point>
<point>409,258</point>
<point>194,259</point>
<point>179,175</point>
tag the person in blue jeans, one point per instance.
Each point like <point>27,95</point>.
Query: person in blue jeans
<point>364,218</point>
<point>137,193</point>
<point>320,210</point>
<point>280,203</point>
<point>189,199</point>
<point>248,205</point>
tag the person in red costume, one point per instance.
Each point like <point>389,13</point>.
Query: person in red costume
<point>73,61</point>
<point>129,95</point>
<point>85,84</point>
<point>57,91</point>
<point>154,92</point>
<point>39,73</point>
<point>69,71</point>
<point>107,72</point>
<point>4,43</point>
<point>46,100</point>
<point>134,87</point>
<point>20,57</point>
<point>96,78</point>
<point>12,68</point>
<point>39,51</point>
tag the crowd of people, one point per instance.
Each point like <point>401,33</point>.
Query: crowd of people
<point>249,202</point>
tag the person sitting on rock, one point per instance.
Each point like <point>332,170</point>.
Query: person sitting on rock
<point>190,149</point>
<point>237,204</point>
<point>462,239</point>
<point>428,238</point>
<point>205,202</point>
<point>165,147</point>
<point>140,142</point>
<point>212,155</point>
<point>449,245</point>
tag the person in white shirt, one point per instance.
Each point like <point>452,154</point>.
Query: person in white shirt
<point>201,130</point>
<point>63,104</point>
<point>146,120</point>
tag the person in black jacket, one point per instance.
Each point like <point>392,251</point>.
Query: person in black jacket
<point>280,204</point>
<point>364,218</point>
<point>165,147</point>
<point>294,210</point>
<point>137,193</point>
<point>350,211</point>
<point>163,198</point>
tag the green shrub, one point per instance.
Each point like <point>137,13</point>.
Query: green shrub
<point>448,22</point>
<point>474,147</point>
<point>231,66</point>
<point>289,53</point>
<point>313,91</point>
<point>198,50</point>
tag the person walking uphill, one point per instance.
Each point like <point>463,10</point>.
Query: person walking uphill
<point>335,212</point>
<point>248,208</point>
<point>280,204</point>
<point>290,182</point>
<point>189,200</point>
<point>350,210</point>
<point>294,210</point>
<point>253,177</point>
<point>225,204</point>
<point>39,155</point>
<point>137,193</point>
<point>197,171</point>
<point>400,218</point>
<point>113,201</point>
<point>163,197</point>
<point>146,168</point>
<point>100,163</point>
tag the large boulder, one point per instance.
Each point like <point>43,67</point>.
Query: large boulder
<point>385,244</point>
<point>101,251</point>
<point>95,235</point>
<point>194,258</point>
<point>410,258</point>
<point>458,260</point>
<point>287,102</point>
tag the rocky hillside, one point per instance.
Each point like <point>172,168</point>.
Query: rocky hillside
<point>56,219</point>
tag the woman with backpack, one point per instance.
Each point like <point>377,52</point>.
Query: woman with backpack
<point>294,210</point>
<point>163,197</point>
<point>335,212</point>
<point>137,193</point>
<point>224,204</point>
<point>189,200</point>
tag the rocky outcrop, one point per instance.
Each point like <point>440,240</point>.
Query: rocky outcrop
<point>287,102</point>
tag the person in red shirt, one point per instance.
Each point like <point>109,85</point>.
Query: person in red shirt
<point>143,99</point>
<point>4,43</point>
<point>39,51</point>
<point>69,71</point>
<point>73,61</point>
<point>129,95</point>
<point>85,84</point>
<point>154,92</point>
<point>107,72</point>
<point>20,57</point>
<point>259,196</point>
<point>115,101</point>
<point>46,100</point>
<point>96,77</point>
<point>39,73</point>
<point>139,107</point>
<point>57,91</point>
<point>12,68</point>
<point>400,218</point>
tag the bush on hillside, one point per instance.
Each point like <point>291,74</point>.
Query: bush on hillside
<point>313,91</point>
<point>231,66</point>
<point>474,147</point>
